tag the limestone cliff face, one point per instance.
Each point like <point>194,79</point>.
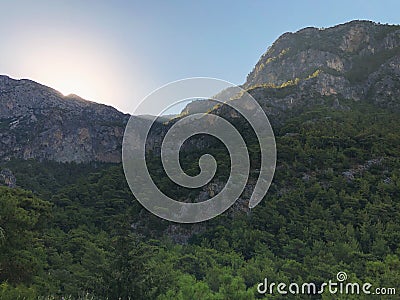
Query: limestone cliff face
<point>359,61</point>
<point>356,61</point>
<point>352,50</point>
<point>39,122</point>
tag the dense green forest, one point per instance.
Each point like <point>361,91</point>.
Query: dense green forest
<point>71,230</point>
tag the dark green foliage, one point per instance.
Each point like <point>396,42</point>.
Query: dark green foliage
<point>333,206</point>
<point>23,218</point>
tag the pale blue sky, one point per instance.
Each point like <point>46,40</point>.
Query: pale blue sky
<point>117,52</point>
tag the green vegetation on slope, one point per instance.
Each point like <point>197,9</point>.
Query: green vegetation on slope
<point>333,206</point>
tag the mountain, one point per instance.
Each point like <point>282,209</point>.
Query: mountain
<point>357,61</point>
<point>39,122</point>
<point>75,231</point>
<point>354,50</point>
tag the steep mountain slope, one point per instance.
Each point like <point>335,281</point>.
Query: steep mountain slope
<point>39,122</point>
<point>353,50</point>
<point>359,60</point>
<point>333,205</point>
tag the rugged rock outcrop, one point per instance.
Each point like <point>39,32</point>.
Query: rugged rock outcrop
<point>356,61</point>
<point>353,50</point>
<point>7,178</point>
<point>39,122</point>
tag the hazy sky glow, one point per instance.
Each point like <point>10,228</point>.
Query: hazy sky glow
<point>117,52</point>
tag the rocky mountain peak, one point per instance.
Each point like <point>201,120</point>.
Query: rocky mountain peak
<point>357,61</point>
<point>339,50</point>
<point>39,122</point>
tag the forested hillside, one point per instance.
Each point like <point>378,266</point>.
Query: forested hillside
<point>70,226</point>
<point>333,206</point>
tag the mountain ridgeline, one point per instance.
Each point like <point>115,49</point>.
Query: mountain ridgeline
<point>357,61</point>
<point>70,226</point>
<point>37,122</point>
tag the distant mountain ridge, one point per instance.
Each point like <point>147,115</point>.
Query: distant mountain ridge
<point>356,61</point>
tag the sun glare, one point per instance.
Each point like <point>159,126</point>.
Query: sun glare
<point>73,62</point>
<point>80,72</point>
<point>84,88</point>
<point>72,65</point>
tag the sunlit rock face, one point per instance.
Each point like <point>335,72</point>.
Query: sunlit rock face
<point>355,61</point>
<point>340,50</point>
<point>359,61</point>
<point>39,122</point>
